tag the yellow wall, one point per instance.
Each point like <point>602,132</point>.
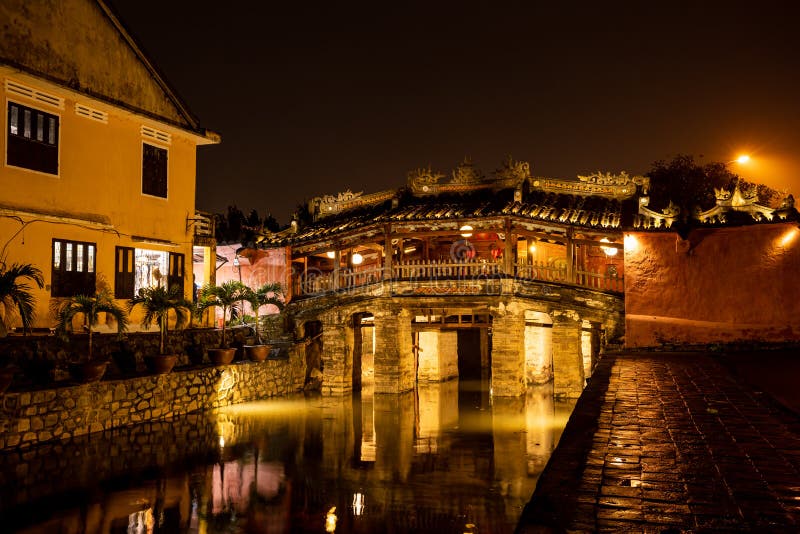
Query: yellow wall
<point>100,178</point>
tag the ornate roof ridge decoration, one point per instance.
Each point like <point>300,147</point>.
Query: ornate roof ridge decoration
<point>736,200</point>
<point>329,205</point>
<point>465,178</point>
<point>618,186</point>
<point>513,174</point>
<point>647,218</point>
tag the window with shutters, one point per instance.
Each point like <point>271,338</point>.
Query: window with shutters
<point>32,137</point>
<point>125,276</point>
<point>154,170</point>
<point>137,268</point>
<point>73,268</point>
<point>175,269</point>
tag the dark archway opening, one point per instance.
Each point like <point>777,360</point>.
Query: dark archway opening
<point>363,325</point>
<point>473,370</point>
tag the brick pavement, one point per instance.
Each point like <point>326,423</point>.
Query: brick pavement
<point>671,443</point>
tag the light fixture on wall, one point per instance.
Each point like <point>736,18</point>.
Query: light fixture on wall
<point>330,254</point>
<point>609,251</point>
<point>466,231</point>
<point>357,258</point>
<point>630,243</point>
<point>532,246</point>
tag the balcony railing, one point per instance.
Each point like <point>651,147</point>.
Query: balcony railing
<point>203,224</point>
<point>540,271</point>
<point>432,270</point>
<point>316,282</point>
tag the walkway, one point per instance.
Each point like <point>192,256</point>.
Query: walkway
<point>671,442</point>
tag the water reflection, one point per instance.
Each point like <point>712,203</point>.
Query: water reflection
<point>444,458</point>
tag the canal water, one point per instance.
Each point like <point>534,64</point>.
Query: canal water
<point>444,458</point>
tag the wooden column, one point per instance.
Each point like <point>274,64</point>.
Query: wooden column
<point>387,252</point>
<point>570,256</point>
<point>508,250</point>
<point>336,261</point>
<point>287,277</point>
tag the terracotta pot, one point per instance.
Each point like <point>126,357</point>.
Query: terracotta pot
<point>221,356</point>
<point>161,364</point>
<point>91,371</point>
<point>257,353</point>
<point>6,377</point>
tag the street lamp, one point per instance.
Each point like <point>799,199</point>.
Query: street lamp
<point>744,158</point>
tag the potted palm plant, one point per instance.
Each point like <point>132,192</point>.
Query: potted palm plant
<point>158,302</point>
<point>228,297</point>
<point>16,299</point>
<point>88,369</point>
<point>269,293</point>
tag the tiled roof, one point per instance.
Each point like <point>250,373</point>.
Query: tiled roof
<point>551,208</point>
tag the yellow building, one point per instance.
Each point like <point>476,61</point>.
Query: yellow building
<point>97,184</point>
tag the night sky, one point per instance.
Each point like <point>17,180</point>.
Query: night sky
<point>313,99</point>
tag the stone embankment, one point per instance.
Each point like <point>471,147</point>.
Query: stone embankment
<point>61,409</point>
<point>669,443</point>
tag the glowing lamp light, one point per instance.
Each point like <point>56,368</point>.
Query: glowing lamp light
<point>609,251</point>
<point>331,254</point>
<point>744,158</point>
<point>532,248</point>
<point>630,243</point>
<point>221,442</point>
<point>788,237</point>
<point>466,231</point>
<point>330,520</point>
<point>358,259</point>
<point>358,503</point>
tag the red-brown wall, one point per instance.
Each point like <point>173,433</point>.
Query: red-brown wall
<point>719,285</point>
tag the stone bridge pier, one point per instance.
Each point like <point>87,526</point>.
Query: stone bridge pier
<point>532,341</point>
<point>536,344</point>
<point>394,359</point>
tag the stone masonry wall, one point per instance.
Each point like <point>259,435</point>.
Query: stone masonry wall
<point>715,286</point>
<point>28,418</point>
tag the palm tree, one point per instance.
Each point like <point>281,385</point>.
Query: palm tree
<point>157,303</point>
<point>15,294</point>
<point>90,306</point>
<point>269,293</point>
<point>227,296</point>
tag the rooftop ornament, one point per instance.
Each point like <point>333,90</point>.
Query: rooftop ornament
<point>736,200</point>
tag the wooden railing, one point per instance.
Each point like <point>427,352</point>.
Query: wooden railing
<point>316,282</point>
<point>442,269</point>
<point>601,281</point>
<point>356,278</point>
<point>203,224</point>
<point>540,271</point>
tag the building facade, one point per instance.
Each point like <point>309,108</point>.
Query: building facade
<point>99,154</point>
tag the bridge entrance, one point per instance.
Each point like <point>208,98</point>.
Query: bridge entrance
<point>451,344</point>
